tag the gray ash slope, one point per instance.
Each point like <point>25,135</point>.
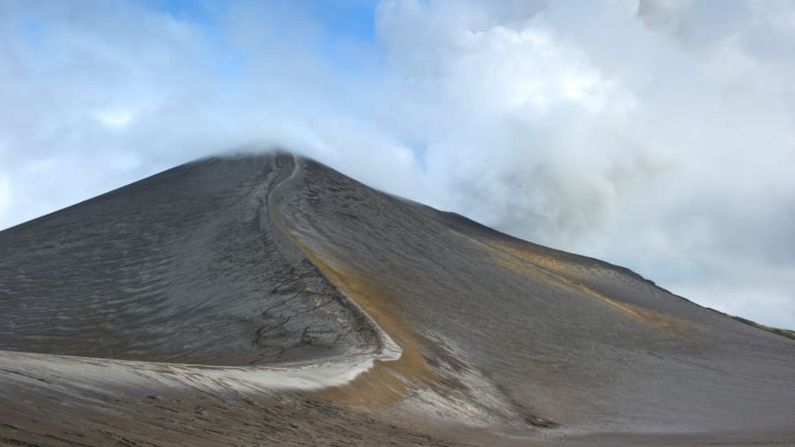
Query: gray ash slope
<point>261,260</point>
<point>180,267</point>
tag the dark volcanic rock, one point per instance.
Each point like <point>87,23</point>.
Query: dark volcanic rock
<point>185,266</point>
<point>241,264</point>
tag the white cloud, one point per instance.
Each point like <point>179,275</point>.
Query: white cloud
<point>5,195</point>
<point>654,134</point>
<point>115,119</point>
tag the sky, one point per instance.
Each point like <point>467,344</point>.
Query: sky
<point>657,135</point>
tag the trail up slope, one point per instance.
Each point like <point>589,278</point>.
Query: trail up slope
<point>267,299</point>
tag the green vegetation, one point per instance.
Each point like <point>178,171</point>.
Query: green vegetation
<point>778,331</point>
<point>782,332</point>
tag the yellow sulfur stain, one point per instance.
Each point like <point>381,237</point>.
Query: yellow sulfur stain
<point>531,261</point>
<point>389,381</point>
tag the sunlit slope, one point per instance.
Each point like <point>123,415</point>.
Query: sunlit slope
<point>285,273</point>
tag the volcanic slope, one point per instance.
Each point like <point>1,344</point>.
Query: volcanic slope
<point>269,300</point>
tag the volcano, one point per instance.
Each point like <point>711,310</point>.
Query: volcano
<point>266,299</point>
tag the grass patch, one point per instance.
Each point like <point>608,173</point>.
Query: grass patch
<point>778,331</point>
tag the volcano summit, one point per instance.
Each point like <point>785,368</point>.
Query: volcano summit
<point>270,300</point>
